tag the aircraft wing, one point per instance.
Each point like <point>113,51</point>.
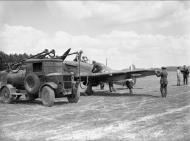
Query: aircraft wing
<point>116,75</point>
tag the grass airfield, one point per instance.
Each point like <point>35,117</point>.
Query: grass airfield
<point>104,116</point>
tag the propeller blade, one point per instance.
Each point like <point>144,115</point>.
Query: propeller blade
<point>65,54</point>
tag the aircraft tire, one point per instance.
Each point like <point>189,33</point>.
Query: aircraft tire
<point>32,83</point>
<point>6,95</point>
<point>47,96</point>
<point>74,97</point>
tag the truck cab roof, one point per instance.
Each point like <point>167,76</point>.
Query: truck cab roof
<point>43,60</point>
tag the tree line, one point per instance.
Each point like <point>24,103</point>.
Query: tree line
<point>7,59</point>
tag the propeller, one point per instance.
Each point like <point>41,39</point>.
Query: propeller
<point>65,54</point>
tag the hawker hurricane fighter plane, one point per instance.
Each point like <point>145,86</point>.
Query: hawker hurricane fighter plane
<point>83,72</point>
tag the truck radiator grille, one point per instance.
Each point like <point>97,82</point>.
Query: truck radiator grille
<point>67,78</point>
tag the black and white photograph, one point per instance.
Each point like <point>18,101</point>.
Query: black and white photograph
<point>94,70</point>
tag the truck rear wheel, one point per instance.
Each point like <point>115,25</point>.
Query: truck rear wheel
<point>47,96</point>
<point>6,95</point>
<point>74,97</point>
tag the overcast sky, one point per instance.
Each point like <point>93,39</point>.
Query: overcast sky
<point>145,33</point>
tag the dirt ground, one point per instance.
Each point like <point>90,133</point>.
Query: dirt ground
<point>104,116</point>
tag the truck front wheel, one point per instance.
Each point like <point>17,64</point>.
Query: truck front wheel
<point>6,95</point>
<point>74,97</point>
<point>47,96</point>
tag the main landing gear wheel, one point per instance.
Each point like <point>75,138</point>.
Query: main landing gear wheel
<point>6,95</point>
<point>74,97</point>
<point>47,96</point>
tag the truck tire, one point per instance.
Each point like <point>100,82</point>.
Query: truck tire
<point>32,83</point>
<point>47,96</point>
<point>74,97</point>
<point>6,95</point>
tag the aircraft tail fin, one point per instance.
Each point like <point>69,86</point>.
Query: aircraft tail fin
<point>133,79</point>
<point>132,67</point>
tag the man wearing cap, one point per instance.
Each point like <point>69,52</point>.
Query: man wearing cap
<point>97,67</point>
<point>163,81</point>
<point>185,72</point>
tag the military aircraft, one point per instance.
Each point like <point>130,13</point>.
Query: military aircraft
<point>83,72</point>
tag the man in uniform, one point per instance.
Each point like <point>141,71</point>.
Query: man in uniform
<point>163,81</point>
<point>130,86</point>
<point>111,87</point>
<point>185,72</point>
<point>178,76</point>
<point>97,67</point>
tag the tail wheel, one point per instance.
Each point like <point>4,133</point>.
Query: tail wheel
<point>47,96</point>
<point>6,95</point>
<point>32,83</point>
<point>74,97</point>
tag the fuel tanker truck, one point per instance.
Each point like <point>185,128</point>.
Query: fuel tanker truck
<point>40,76</point>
